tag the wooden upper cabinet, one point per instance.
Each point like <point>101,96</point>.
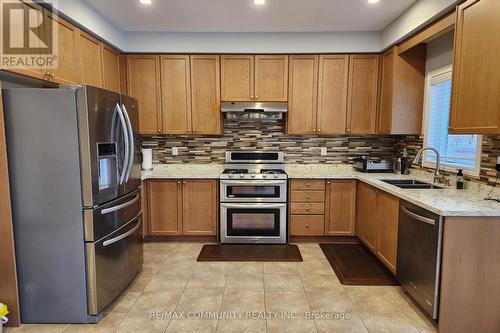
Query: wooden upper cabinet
<point>332,94</point>
<point>402,91</point>
<point>90,60</point>
<point>476,79</point>
<point>205,95</point>
<point>237,78</point>
<point>340,209</point>
<point>303,94</point>
<point>67,50</point>
<point>143,83</point>
<point>366,214</point>
<point>39,30</point>
<point>175,94</point>
<point>362,94</point>
<point>199,207</point>
<point>271,78</point>
<point>111,68</point>
<point>123,73</point>
<point>164,207</point>
<point>387,238</point>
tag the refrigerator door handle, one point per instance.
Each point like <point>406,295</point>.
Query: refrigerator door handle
<point>122,236</point>
<point>121,206</point>
<point>127,143</point>
<point>131,144</point>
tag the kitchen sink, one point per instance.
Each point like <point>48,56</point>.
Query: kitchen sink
<point>411,184</point>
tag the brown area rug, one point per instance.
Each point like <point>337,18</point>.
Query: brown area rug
<point>249,252</point>
<point>356,266</point>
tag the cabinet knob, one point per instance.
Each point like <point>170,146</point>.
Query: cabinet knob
<point>52,75</point>
<point>314,130</point>
<point>256,97</point>
<point>252,97</point>
<point>328,182</point>
<point>184,182</point>
<point>348,130</point>
<point>307,226</point>
<point>308,184</point>
<point>307,208</point>
<point>159,130</point>
<point>319,130</point>
<point>178,182</point>
<point>194,129</point>
<point>307,196</point>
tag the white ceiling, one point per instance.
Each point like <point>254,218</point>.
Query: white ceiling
<point>244,16</point>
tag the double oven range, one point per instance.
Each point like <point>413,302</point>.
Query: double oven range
<point>253,198</point>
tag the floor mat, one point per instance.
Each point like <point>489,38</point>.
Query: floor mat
<point>249,252</point>
<point>356,266</point>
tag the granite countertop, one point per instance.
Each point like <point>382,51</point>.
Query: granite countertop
<point>445,202</point>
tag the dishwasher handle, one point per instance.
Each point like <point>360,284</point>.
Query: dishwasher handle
<point>418,217</point>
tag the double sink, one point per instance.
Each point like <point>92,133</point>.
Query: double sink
<point>411,184</point>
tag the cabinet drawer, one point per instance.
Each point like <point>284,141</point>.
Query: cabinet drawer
<point>307,196</point>
<point>307,208</point>
<point>307,184</point>
<point>307,225</point>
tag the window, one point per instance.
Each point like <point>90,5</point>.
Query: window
<point>457,151</point>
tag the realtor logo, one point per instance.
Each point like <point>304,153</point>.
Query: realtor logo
<point>29,36</point>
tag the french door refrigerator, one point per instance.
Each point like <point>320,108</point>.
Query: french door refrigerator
<point>74,175</point>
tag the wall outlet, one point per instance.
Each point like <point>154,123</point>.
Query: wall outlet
<point>323,151</point>
<point>175,151</point>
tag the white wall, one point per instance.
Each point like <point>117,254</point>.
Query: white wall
<point>418,15</point>
<point>88,17</point>
<point>422,12</point>
<point>439,52</point>
<point>253,42</point>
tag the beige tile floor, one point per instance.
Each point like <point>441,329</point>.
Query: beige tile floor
<point>173,282</point>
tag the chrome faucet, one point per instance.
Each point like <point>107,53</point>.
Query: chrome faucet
<point>439,177</point>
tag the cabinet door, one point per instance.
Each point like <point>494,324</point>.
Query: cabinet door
<point>387,242</point>
<point>143,83</point>
<point>35,71</point>
<point>341,207</point>
<point>386,92</point>
<point>144,208</point>
<point>271,78</point>
<point>164,207</point>
<point>362,94</point>
<point>303,90</point>
<point>68,46</point>
<point>476,79</point>
<point>111,68</point>
<point>175,94</point>
<point>366,214</point>
<point>90,63</point>
<point>200,207</point>
<point>332,94</point>
<point>205,95</point>
<point>237,78</point>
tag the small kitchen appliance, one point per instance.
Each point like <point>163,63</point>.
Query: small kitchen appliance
<point>366,164</point>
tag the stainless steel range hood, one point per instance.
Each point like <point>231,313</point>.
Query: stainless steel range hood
<point>257,110</point>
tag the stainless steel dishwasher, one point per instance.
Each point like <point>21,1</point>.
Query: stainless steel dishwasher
<point>419,255</point>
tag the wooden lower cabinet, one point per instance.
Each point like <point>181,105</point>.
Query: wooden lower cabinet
<point>164,207</point>
<point>387,239</point>
<point>366,208</point>
<point>377,216</point>
<point>340,210</point>
<point>178,207</point>
<point>199,207</point>
<point>307,225</point>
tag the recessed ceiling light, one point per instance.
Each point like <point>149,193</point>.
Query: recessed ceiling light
<point>259,2</point>
<point>373,1</point>
<point>145,2</point>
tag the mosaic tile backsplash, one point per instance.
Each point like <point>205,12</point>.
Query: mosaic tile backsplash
<point>266,134</point>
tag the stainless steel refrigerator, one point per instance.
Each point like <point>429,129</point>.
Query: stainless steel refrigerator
<point>74,176</point>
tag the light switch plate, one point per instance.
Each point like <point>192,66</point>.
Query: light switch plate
<point>323,151</point>
<point>175,151</point>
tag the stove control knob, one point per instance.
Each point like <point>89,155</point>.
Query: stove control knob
<point>253,175</point>
<point>264,176</point>
<point>230,175</point>
<point>242,175</point>
<point>275,175</point>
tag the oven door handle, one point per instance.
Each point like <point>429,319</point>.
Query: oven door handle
<point>252,183</point>
<point>253,205</point>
